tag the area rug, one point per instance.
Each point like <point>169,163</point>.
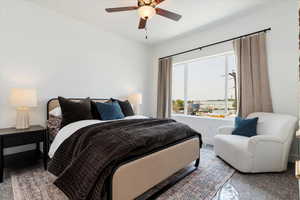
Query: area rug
<point>202,184</point>
<point>35,184</point>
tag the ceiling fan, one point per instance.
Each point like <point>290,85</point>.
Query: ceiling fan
<point>147,9</point>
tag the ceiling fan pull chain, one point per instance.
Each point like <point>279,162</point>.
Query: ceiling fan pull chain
<point>146,33</point>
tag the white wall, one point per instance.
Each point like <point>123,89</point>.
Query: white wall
<point>282,46</point>
<point>60,56</point>
<point>208,127</point>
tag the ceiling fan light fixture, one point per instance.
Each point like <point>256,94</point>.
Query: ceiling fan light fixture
<point>146,12</point>
<point>147,9</point>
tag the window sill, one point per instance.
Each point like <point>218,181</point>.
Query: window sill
<point>203,117</point>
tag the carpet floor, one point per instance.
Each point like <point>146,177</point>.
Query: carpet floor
<point>214,180</point>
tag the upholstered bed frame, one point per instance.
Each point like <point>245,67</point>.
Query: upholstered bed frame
<point>136,176</point>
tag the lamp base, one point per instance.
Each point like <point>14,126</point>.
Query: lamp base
<point>22,118</point>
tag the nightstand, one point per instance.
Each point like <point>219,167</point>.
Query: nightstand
<point>11,137</point>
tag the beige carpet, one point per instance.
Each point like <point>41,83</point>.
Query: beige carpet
<point>203,184</point>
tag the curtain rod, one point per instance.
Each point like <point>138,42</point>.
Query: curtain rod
<point>208,45</point>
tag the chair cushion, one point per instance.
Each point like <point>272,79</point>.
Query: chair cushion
<point>245,127</point>
<point>236,141</point>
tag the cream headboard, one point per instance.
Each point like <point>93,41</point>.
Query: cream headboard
<point>53,103</point>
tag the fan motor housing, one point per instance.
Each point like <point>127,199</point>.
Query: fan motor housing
<point>147,3</point>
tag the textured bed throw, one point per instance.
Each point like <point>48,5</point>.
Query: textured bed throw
<point>86,160</point>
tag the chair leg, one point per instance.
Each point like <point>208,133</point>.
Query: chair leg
<point>197,163</point>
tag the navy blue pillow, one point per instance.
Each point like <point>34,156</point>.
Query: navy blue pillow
<point>109,110</point>
<point>245,127</point>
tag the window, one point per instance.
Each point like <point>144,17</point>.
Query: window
<point>205,87</point>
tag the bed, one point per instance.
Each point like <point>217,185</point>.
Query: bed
<point>138,173</point>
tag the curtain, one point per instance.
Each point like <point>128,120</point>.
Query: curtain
<point>253,81</point>
<point>164,90</point>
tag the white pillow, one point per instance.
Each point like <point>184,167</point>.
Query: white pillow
<point>56,112</point>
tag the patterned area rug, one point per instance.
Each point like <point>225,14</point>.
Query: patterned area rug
<point>203,184</point>
<point>35,184</point>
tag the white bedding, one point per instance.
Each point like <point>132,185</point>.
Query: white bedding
<point>68,130</point>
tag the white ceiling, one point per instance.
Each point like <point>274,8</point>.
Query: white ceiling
<point>196,14</point>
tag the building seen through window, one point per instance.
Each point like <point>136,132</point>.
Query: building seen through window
<point>205,87</point>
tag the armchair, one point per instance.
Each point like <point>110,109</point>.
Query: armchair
<point>266,152</point>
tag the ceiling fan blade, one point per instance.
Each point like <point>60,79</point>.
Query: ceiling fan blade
<point>159,1</point>
<point>168,14</point>
<point>142,23</point>
<point>121,9</point>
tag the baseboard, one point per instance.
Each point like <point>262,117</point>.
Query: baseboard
<point>293,157</point>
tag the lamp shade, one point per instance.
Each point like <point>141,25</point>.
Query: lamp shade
<point>23,97</point>
<point>136,98</point>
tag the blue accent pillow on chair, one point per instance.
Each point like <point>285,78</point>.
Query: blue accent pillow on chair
<point>245,127</point>
<point>109,110</point>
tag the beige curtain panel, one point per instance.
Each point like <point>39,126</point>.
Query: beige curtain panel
<point>164,90</point>
<point>253,80</point>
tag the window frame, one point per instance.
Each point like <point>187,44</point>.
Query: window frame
<point>185,65</point>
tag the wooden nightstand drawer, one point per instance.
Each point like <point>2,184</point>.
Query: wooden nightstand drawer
<point>22,139</point>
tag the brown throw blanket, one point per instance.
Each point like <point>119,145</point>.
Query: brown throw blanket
<point>85,161</point>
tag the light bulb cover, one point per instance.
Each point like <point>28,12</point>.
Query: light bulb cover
<point>146,12</point>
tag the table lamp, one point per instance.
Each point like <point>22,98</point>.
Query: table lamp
<point>22,99</point>
<point>136,100</point>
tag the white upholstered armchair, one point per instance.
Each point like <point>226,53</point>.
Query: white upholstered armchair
<point>266,152</point>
